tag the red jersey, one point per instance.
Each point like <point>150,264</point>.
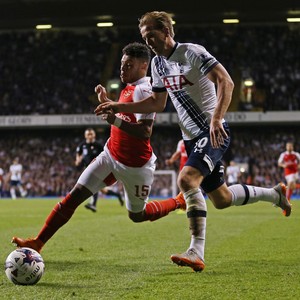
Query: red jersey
<point>292,160</point>
<point>184,156</point>
<point>127,149</point>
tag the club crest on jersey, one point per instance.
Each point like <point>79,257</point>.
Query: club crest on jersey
<point>176,83</point>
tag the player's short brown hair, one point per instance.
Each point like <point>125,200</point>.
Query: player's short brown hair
<point>161,19</point>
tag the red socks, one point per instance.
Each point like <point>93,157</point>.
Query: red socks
<point>157,209</point>
<point>63,211</point>
<point>60,215</point>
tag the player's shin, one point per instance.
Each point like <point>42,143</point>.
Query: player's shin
<point>247,194</point>
<point>196,213</point>
<point>60,215</point>
<point>157,209</point>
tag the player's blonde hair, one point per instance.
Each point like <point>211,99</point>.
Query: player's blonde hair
<point>160,19</point>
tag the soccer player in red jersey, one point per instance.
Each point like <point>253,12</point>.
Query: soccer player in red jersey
<point>200,89</point>
<point>127,156</point>
<point>180,153</point>
<point>289,160</point>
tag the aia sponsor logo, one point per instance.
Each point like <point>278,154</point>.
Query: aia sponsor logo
<point>176,83</point>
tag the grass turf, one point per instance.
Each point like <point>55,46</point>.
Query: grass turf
<point>252,252</point>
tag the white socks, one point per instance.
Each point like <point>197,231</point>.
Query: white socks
<point>247,194</point>
<point>196,213</point>
<point>13,193</point>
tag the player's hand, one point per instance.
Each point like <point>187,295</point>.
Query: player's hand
<point>101,93</point>
<point>106,107</point>
<point>109,116</point>
<point>168,162</point>
<point>217,133</point>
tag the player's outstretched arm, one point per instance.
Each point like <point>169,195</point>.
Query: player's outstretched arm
<point>154,103</point>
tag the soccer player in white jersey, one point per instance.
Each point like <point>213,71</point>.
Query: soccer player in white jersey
<point>201,90</point>
<point>15,173</point>
<point>127,157</point>
<point>233,173</point>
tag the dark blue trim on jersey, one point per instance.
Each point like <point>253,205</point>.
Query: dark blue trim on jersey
<point>173,50</point>
<point>194,112</point>
<point>160,66</point>
<point>159,89</point>
<point>211,67</point>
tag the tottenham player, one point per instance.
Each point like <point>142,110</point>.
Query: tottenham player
<point>201,90</point>
<point>15,173</point>
<point>289,160</point>
<point>127,156</point>
<point>233,173</point>
<point>88,150</point>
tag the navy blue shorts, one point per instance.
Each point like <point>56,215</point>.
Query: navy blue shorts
<point>208,160</point>
<point>15,182</point>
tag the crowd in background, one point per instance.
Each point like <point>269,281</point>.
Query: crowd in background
<point>55,72</point>
<point>48,156</point>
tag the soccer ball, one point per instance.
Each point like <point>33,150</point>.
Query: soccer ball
<point>24,266</point>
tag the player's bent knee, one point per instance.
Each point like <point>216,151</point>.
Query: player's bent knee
<point>184,183</point>
<point>136,217</point>
<point>81,192</point>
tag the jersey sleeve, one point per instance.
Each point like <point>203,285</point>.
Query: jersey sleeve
<point>298,157</point>
<point>199,57</point>
<point>179,146</point>
<point>280,159</point>
<point>157,84</point>
<point>141,92</point>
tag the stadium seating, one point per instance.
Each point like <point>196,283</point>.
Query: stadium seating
<point>54,72</point>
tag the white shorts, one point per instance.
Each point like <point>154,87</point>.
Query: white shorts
<point>105,171</point>
<point>292,177</point>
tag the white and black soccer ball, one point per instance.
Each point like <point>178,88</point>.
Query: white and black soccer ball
<point>24,266</point>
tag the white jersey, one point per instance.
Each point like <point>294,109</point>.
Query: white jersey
<point>16,171</point>
<point>192,93</point>
<point>232,173</point>
<point>1,177</point>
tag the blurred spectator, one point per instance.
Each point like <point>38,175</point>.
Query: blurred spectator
<point>15,175</point>
<point>48,169</point>
<point>233,173</point>
<point>55,72</point>
<point>1,181</point>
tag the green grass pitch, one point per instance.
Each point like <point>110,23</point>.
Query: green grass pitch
<point>252,252</point>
